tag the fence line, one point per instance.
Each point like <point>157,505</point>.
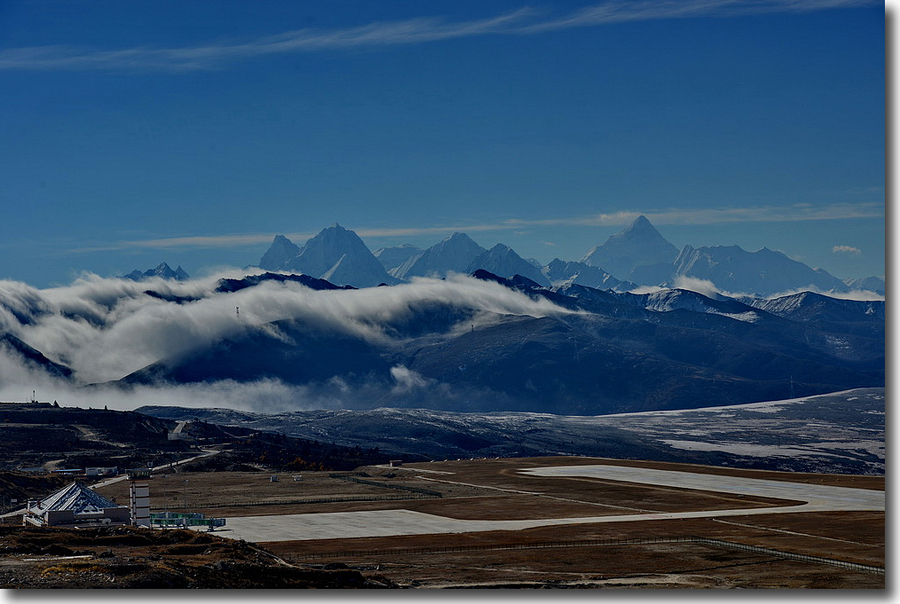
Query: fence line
<point>487,547</point>
<point>259,502</point>
<point>591,543</point>
<point>878,570</point>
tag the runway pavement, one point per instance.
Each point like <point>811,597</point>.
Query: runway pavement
<point>382,523</point>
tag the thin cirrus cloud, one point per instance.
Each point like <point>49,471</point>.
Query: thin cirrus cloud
<point>525,21</point>
<point>673,216</point>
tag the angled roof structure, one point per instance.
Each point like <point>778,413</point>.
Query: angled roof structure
<point>76,498</point>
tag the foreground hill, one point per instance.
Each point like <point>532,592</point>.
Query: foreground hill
<point>840,433</point>
<point>134,558</point>
<point>49,437</point>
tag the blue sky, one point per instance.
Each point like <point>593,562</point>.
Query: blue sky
<point>140,132</point>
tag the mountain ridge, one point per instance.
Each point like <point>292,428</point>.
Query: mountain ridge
<point>163,271</point>
<point>638,255</point>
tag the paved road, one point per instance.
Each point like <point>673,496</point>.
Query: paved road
<point>166,466</point>
<point>121,477</point>
<point>383,523</point>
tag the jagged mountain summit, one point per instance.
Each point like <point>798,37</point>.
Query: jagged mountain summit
<point>764,272</point>
<point>637,253</point>
<point>392,257</point>
<point>561,273</point>
<point>335,254</point>
<point>872,284</point>
<point>501,260</point>
<point>454,254</point>
<point>279,254</point>
<point>163,270</point>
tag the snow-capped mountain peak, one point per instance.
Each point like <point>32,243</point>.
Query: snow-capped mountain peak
<point>455,253</point>
<point>335,253</point>
<point>639,245</point>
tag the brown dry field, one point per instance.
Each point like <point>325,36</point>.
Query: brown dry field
<point>492,489</point>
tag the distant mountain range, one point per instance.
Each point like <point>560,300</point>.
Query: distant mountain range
<point>637,255</point>
<point>763,272</point>
<point>163,271</point>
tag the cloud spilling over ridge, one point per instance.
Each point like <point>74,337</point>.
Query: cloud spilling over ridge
<point>701,286</point>
<point>18,382</point>
<point>710,290</point>
<point>105,329</point>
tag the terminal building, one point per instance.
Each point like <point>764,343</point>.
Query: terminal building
<point>77,505</point>
<point>73,506</point>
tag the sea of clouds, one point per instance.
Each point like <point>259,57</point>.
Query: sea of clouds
<point>104,329</point>
<point>107,328</point>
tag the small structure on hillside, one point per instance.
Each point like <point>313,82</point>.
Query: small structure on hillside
<point>73,506</point>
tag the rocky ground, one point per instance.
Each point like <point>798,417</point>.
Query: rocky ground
<point>128,557</point>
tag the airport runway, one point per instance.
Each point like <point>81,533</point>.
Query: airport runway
<point>385,523</point>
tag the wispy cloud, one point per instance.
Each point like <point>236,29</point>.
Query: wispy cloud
<point>673,216</point>
<point>525,21</point>
<point>192,242</point>
<point>698,216</point>
<point>846,249</point>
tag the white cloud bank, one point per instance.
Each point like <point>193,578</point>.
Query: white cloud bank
<point>105,329</point>
<point>710,290</point>
<point>701,286</point>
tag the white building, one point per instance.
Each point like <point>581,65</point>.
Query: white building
<point>75,505</point>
